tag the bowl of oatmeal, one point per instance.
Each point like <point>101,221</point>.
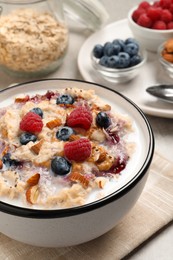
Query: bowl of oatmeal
<point>71,152</point>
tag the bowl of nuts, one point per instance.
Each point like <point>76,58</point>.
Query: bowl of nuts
<point>118,60</point>
<point>165,54</point>
<point>151,23</point>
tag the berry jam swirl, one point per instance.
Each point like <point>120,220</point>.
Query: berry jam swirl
<point>61,149</point>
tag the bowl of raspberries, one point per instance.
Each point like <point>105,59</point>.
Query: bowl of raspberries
<point>118,60</point>
<point>152,23</point>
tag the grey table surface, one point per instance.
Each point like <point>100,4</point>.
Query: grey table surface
<point>160,246</point>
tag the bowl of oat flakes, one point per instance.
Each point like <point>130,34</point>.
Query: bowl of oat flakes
<point>33,37</point>
<point>71,152</point>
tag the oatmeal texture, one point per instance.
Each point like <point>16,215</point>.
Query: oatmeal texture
<point>31,41</point>
<point>26,171</point>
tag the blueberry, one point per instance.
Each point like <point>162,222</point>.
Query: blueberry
<point>10,162</point>
<point>131,49</point>
<point>131,40</point>
<point>60,166</point>
<point>117,48</point>
<point>136,59</point>
<point>106,48</point>
<point>111,49</point>
<point>37,111</point>
<point>104,61</point>
<point>113,61</point>
<point>65,99</point>
<point>119,42</point>
<point>98,51</point>
<point>124,60</point>
<point>103,120</point>
<point>64,133</point>
<point>27,137</point>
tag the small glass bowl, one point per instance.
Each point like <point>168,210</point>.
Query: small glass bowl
<point>166,65</point>
<point>119,75</point>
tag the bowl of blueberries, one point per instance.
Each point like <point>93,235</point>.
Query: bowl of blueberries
<point>118,60</point>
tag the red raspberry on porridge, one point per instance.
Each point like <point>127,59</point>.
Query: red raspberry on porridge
<point>80,117</point>
<point>31,123</point>
<point>78,150</point>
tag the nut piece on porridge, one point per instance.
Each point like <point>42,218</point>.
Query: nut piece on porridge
<point>61,148</point>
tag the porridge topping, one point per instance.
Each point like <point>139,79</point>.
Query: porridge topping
<point>59,149</point>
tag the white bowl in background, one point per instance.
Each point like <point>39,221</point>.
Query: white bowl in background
<point>150,39</point>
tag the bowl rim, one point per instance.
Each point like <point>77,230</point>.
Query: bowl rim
<point>101,68</point>
<point>147,30</point>
<point>61,213</point>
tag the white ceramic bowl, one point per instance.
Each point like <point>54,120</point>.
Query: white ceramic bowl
<point>72,226</point>
<point>119,75</point>
<point>150,39</point>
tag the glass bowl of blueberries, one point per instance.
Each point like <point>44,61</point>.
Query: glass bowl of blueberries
<point>118,60</point>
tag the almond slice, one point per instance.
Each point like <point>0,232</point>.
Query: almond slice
<point>76,176</point>
<point>106,164</point>
<point>54,123</point>
<point>36,147</point>
<point>4,133</point>
<point>32,194</point>
<point>100,184</point>
<point>5,150</point>
<point>67,105</point>
<point>1,164</point>
<point>22,99</point>
<point>74,137</point>
<point>102,157</point>
<point>34,179</point>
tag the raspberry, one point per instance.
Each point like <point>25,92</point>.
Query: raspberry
<point>144,21</point>
<point>156,4</point>
<point>170,25</point>
<point>171,8</point>
<point>144,5</point>
<point>159,25</point>
<point>154,13</point>
<point>31,123</point>
<point>80,117</point>
<point>137,13</point>
<point>166,16</point>
<point>78,150</point>
<point>165,3</point>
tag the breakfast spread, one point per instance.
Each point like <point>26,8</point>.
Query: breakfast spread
<point>61,149</point>
<point>167,52</point>
<point>156,15</point>
<point>118,54</point>
<point>31,41</point>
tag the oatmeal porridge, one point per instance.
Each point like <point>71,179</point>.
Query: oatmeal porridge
<point>61,149</point>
